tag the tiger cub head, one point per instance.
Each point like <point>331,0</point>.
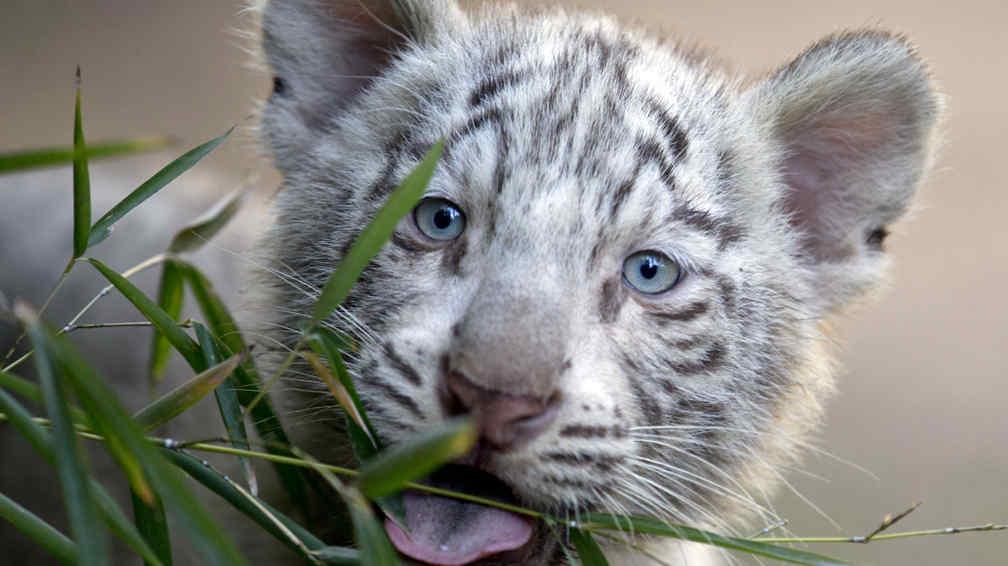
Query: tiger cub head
<point>622,263</point>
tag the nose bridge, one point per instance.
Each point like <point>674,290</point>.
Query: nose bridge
<point>513,337</point>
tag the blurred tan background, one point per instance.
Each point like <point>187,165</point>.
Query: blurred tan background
<point>923,401</point>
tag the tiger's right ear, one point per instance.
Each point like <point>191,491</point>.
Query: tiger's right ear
<point>323,53</point>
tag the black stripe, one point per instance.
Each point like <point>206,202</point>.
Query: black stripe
<point>620,196</point>
<point>401,366</point>
<point>674,134</point>
<point>493,85</point>
<point>725,232</point>
<point>584,431</point>
<point>712,359</point>
<point>396,396</point>
<point>650,151</point>
<point>489,116</point>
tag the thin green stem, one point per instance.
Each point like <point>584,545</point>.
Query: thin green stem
<point>887,536</point>
<point>142,266</point>
<point>276,376</point>
<point>348,472</point>
<point>45,305</point>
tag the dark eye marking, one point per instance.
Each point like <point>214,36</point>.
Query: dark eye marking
<point>692,311</point>
<point>611,301</point>
<point>451,261</point>
<point>279,86</point>
<point>876,238</point>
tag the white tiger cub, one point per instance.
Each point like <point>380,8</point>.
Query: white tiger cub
<point>623,263</point>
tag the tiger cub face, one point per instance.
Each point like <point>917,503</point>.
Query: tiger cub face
<point>622,262</point>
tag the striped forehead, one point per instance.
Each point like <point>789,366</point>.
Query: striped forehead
<point>586,120</point>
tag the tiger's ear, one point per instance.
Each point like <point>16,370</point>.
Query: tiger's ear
<point>854,117</point>
<point>323,53</point>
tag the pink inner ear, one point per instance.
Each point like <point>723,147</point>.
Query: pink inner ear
<point>826,155</point>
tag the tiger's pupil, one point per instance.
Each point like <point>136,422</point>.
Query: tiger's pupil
<point>649,269</point>
<point>443,218</point>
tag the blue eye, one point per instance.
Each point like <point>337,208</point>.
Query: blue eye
<point>651,272</point>
<point>439,219</point>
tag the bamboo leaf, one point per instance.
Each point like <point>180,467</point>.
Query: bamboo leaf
<point>647,525</point>
<point>150,187</point>
<point>52,156</point>
<point>180,399</point>
<point>112,422</point>
<point>198,232</point>
<point>361,440</point>
<point>374,545</point>
<point>81,510</point>
<point>44,534</point>
<point>328,345</point>
<point>588,550</point>
<point>416,457</point>
<point>81,183</point>
<point>111,513</point>
<point>228,405</point>
<point>338,556</point>
<point>374,236</point>
<point>275,523</point>
<point>161,320</point>
<point>21,386</point>
<point>152,524</point>
<point>223,325</point>
<point>170,298</point>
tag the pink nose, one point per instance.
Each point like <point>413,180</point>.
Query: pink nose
<point>505,420</point>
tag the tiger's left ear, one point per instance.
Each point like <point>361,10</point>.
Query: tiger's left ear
<point>854,119</point>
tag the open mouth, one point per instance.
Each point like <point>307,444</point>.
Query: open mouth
<point>445,531</point>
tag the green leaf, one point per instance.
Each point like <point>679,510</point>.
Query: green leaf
<point>328,345</point>
<point>223,325</point>
<point>44,534</point>
<point>337,556</point>
<point>81,510</point>
<point>416,457</point>
<point>374,545</point>
<point>111,513</point>
<point>153,526</point>
<point>200,231</point>
<point>227,403</point>
<point>21,386</point>
<point>170,297</point>
<point>647,525</point>
<point>116,427</point>
<point>161,320</point>
<point>275,523</point>
<point>81,183</point>
<point>150,187</point>
<point>361,439</point>
<point>52,156</point>
<point>180,399</point>
<point>588,550</point>
<point>375,548</point>
<point>374,236</point>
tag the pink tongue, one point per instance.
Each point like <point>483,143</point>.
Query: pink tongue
<point>449,532</point>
